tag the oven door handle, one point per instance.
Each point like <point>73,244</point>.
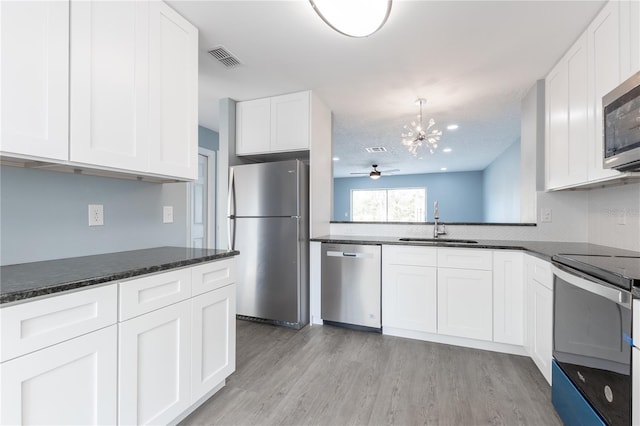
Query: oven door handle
<point>616,296</point>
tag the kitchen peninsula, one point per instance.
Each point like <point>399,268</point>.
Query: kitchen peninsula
<point>487,294</point>
<point>142,336</point>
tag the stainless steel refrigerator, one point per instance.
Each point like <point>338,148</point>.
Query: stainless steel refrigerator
<point>269,224</point>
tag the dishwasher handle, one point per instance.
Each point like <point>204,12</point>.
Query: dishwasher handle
<point>348,254</point>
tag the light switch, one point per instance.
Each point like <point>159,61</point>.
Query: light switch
<point>545,215</point>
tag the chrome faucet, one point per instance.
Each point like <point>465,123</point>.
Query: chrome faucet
<point>438,229</point>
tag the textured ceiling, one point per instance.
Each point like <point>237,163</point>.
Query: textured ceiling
<point>472,60</point>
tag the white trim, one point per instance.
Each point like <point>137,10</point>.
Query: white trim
<point>455,341</point>
<point>212,191</point>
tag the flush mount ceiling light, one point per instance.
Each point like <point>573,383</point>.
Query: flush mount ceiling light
<point>353,18</point>
<point>416,136</point>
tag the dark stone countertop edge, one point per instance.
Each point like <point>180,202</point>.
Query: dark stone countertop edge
<point>541,249</point>
<point>21,295</point>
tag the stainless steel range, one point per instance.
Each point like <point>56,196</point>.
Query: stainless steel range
<point>592,337</point>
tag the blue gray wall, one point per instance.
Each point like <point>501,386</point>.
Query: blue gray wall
<point>208,138</point>
<point>460,195</point>
<point>502,187</point>
<point>43,215</point>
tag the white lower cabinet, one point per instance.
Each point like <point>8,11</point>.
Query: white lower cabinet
<point>539,314</point>
<point>409,297</point>
<point>66,360</point>
<point>153,386</point>
<point>508,297</point>
<point>465,303</point>
<point>213,348</point>
<point>409,288</point>
<point>73,383</point>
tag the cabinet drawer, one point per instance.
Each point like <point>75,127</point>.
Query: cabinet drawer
<point>540,271</point>
<point>409,255</point>
<point>465,259</point>
<point>213,275</point>
<point>153,292</point>
<point>35,325</point>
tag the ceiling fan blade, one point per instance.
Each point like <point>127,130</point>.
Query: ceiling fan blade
<point>359,173</point>
<point>389,171</point>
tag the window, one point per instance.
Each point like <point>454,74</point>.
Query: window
<point>388,205</point>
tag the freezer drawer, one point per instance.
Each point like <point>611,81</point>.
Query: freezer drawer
<point>351,284</point>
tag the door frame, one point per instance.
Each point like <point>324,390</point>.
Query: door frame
<point>212,191</point>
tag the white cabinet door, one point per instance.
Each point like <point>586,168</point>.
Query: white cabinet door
<point>109,84</point>
<point>567,125</point>
<point>508,297</point>
<point>213,345</point>
<point>72,383</point>
<point>465,303</point>
<point>173,85</point>
<point>409,297</point>
<point>154,360</point>
<point>290,122</point>
<point>35,79</point>
<point>605,58</point>
<point>542,329</point>
<point>539,313</point>
<point>253,126</point>
<point>557,125</point>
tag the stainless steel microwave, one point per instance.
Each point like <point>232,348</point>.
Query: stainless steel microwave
<point>621,126</point>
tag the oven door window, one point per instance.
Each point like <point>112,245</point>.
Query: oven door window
<point>590,347</point>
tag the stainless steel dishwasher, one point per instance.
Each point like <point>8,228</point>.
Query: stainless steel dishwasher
<point>351,284</point>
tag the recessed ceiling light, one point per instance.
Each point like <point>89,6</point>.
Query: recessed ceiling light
<point>336,158</point>
<point>444,169</point>
<point>452,127</point>
<point>447,150</point>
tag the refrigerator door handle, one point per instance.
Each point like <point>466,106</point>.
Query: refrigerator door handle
<point>231,233</point>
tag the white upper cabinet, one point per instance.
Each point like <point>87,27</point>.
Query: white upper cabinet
<point>567,128</point>
<point>173,85</point>
<point>290,122</point>
<point>607,59</point>
<point>35,76</point>
<point>253,126</point>
<point>606,54</point>
<point>277,124</point>
<point>100,85</point>
<point>109,84</point>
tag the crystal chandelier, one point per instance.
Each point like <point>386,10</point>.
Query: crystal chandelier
<point>416,136</point>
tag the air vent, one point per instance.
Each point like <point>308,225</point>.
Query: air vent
<point>225,57</point>
<point>376,149</point>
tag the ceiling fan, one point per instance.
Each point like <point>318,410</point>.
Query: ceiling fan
<point>375,173</point>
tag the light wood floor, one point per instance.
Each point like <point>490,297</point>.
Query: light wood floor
<point>327,375</point>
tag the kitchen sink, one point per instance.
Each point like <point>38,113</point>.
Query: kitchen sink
<point>438,240</point>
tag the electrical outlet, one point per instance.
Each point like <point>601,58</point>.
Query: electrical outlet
<point>167,214</point>
<point>545,215</point>
<point>96,215</point>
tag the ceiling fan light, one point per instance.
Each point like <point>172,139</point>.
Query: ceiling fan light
<point>374,175</point>
<point>354,18</point>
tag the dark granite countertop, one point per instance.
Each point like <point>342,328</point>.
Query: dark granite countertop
<point>27,280</point>
<point>541,249</point>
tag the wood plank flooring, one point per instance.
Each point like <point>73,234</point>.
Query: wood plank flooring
<point>325,375</point>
